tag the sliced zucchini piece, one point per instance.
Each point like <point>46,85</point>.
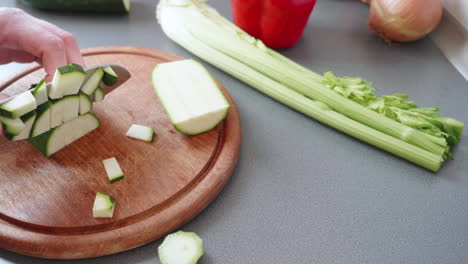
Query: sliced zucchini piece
<point>110,77</point>
<point>92,81</point>
<point>113,170</point>
<point>28,120</point>
<point>141,132</point>
<point>13,126</point>
<point>86,105</point>
<point>42,122</point>
<point>104,205</point>
<point>40,93</point>
<point>99,95</point>
<point>190,96</point>
<point>181,248</point>
<point>57,138</point>
<point>19,105</point>
<point>67,81</point>
<point>57,111</point>
<point>71,107</point>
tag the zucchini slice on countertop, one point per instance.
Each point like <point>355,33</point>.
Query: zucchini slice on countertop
<point>104,205</point>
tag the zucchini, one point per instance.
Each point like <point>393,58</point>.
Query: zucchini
<point>67,81</point>
<point>113,170</point>
<point>86,105</point>
<point>101,6</point>
<point>181,248</point>
<point>141,132</point>
<point>110,77</point>
<point>57,108</point>
<point>92,81</point>
<point>42,122</point>
<point>99,95</point>
<point>190,96</point>
<point>28,120</point>
<point>57,138</point>
<point>104,205</point>
<point>71,107</point>
<point>13,126</point>
<point>18,106</point>
<point>40,93</point>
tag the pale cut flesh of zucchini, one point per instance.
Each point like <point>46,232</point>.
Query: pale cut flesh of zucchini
<point>110,77</point>
<point>181,248</point>
<point>92,82</point>
<point>99,95</point>
<point>57,111</point>
<point>104,206</point>
<point>42,122</point>
<point>113,170</point>
<point>13,126</point>
<point>28,120</point>
<point>141,132</point>
<point>67,81</point>
<point>190,96</point>
<point>18,106</point>
<point>71,107</point>
<point>86,105</point>
<point>57,138</point>
<point>40,93</point>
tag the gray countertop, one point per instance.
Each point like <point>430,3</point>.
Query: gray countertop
<point>303,192</point>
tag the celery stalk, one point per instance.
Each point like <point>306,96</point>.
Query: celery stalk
<point>174,20</point>
<point>222,40</point>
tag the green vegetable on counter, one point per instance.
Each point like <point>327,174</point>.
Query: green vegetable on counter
<point>113,170</point>
<point>181,248</point>
<point>201,30</point>
<point>190,96</point>
<point>100,6</point>
<point>103,206</point>
<point>141,132</point>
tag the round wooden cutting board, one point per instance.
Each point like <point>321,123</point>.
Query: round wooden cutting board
<point>46,203</point>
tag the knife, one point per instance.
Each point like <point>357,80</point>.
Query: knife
<point>121,72</point>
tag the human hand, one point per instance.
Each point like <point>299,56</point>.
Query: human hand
<point>24,38</point>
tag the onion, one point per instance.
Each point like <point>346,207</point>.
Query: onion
<point>404,20</point>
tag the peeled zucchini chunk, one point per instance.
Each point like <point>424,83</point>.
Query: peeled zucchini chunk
<point>181,248</point>
<point>141,132</point>
<point>104,205</point>
<point>28,120</point>
<point>86,105</point>
<point>59,137</point>
<point>190,96</point>
<point>57,108</point>
<point>92,81</point>
<point>40,93</point>
<point>12,126</point>
<point>42,121</point>
<point>71,107</point>
<point>67,81</point>
<point>19,105</point>
<point>113,170</point>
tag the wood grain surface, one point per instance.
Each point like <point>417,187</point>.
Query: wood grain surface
<point>46,204</point>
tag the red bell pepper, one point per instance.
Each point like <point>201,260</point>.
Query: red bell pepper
<point>278,23</point>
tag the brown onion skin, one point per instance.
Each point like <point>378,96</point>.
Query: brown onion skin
<point>420,18</point>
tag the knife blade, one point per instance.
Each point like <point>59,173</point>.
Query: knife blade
<point>121,72</point>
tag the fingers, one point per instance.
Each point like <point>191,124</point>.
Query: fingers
<point>72,50</point>
<point>11,55</point>
<point>52,46</point>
